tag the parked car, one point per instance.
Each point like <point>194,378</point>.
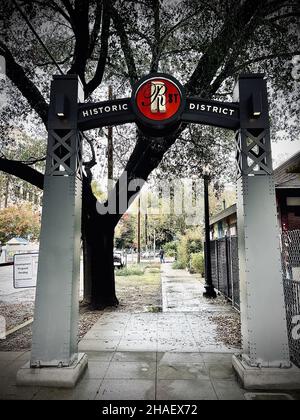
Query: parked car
<point>119,259</point>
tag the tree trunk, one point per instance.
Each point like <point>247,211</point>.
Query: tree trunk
<point>102,272</point>
<point>87,275</point>
<point>98,247</point>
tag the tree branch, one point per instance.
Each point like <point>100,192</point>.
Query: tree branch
<point>97,79</point>
<point>69,9</point>
<point>93,162</point>
<point>156,46</point>
<point>235,25</point>
<point>127,50</point>
<point>22,171</point>
<point>96,27</point>
<point>82,38</point>
<point>28,89</point>
<point>52,5</point>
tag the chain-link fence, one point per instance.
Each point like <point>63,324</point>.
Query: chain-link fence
<point>290,249</point>
<point>225,276</point>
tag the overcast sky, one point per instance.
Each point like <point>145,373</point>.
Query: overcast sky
<point>283,150</point>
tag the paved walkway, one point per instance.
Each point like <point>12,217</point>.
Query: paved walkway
<point>183,292</point>
<point>173,355</point>
<point>185,325</point>
<point>135,376</point>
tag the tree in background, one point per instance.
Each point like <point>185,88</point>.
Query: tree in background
<point>19,221</point>
<point>188,244</point>
<point>220,200</point>
<point>205,44</point>
<point>125,232</point>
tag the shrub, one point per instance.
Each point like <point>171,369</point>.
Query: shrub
<point>170,249</point>
<point>177,265</point>
<point>190,243</point>
<point>197,263</point>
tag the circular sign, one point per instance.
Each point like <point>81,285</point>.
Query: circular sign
<point>158,101</point>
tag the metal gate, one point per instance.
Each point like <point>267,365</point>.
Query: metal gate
<point>225,268</point>
<point>225,276</point>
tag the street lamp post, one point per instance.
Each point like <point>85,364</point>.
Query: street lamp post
<point>209,288</point>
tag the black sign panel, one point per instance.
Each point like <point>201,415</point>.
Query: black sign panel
<point>101,114</point>
<point>219,114</point>
<point>158,106</point>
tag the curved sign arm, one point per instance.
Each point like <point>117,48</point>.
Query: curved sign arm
<point>197,111</point>
<point>218,114</point>
<point>102,114</point>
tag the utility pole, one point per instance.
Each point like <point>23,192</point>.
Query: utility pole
<point>6,192</point>
<point>139,231</point>
<point>110,148</point>
<point>146,231</point>
<point>154,244</point>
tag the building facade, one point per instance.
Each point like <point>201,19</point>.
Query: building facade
<point>287,184</point>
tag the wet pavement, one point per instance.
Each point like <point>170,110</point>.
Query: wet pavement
<point>134,376</point>
<point>183,292</point>
<point>171,355</point>
<point>114,375</point>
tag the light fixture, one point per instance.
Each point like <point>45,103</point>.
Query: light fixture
<point>256,105</point>
<point>206,169</point>
<point>60,108</point>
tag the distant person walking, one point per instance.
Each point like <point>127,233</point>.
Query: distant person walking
<point>162,256</point>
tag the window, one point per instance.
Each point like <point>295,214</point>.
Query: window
<point>293,201</point>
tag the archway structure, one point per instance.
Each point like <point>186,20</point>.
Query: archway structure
<point>158,106</point>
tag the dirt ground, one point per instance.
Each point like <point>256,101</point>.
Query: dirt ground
<point>135,294</point>
<point>229,329</point>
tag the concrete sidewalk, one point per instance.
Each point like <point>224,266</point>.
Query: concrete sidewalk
<point>135,376</point>
<point>183,292</point>
<point>172,355</point>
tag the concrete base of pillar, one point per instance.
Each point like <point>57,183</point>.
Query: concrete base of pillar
<point>266,378</point>
<point>55,377</point>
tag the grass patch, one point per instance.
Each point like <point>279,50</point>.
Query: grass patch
<point>133,270</point>
<point>153,270</point>
<point>139,293</point>
<point>154,309</point>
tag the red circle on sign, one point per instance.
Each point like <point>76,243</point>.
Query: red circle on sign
<point>158,99</point>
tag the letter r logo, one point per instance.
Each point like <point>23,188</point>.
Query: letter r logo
<point>158,95</point>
